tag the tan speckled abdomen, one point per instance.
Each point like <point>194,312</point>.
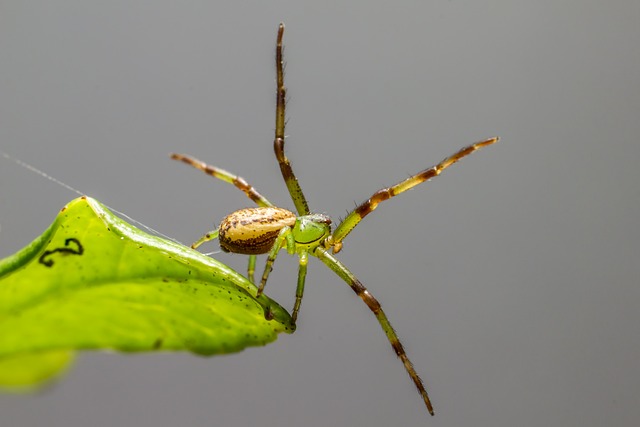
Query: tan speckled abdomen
<point>252,231</point>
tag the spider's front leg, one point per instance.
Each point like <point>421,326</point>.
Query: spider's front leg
<point>337,267</point>
<point>348,224</point>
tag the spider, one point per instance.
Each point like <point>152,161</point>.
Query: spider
<point>267,229</point>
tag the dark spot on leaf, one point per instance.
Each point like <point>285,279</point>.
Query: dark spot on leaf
<point>66,250</point>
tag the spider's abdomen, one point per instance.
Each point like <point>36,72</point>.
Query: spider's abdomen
<point>252,231</point>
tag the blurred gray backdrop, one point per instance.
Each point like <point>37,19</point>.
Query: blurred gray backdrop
<point>512,279</point>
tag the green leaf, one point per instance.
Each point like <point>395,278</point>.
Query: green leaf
<point>27,371</point>
<point>92,281</point>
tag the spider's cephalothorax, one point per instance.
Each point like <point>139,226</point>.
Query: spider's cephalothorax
<point>267,229</point>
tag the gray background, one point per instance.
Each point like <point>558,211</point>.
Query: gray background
<point>512,279</point>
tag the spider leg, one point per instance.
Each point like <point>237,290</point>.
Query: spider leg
<point>225,176</point>
<point>290,179</point>
<point>239,183</point>
<point>302,275</point>
<point>211,235</point>
<point>251,268</point>
<point>373,304</point>
<point>283,235</point>
<point>357,215</point>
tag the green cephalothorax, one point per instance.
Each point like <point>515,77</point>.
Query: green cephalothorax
<point>311,230</point>
<point>267,229</point>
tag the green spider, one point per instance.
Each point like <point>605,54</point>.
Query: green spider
<point>267,228</point>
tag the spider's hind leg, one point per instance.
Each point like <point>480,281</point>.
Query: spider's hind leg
<point>211,235</point>
<point>225,176</point>
<point>237,181</point>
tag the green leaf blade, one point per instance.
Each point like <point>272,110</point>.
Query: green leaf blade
<point>26,372</point>
<point>92,281</point>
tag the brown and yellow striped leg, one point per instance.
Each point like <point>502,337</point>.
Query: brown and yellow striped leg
<point>225,176</point>
<point>349,223</point>
<point>300,202</point>
<point>373,304</point>
<point>239,183</point>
